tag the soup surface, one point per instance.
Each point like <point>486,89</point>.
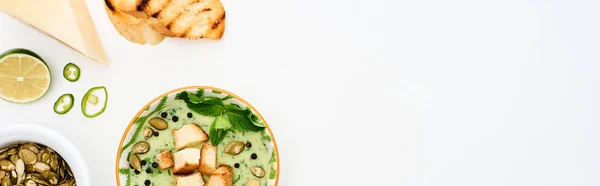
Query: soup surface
<point>177,113</point>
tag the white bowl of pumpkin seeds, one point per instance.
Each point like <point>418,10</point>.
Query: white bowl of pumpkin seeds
<point>35,155</point>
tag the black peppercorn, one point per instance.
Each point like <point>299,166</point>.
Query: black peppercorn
<point>148,170</point>
<point>163,115</point>
<point>175,118</point>
<point>236,165</point>
<point>189,115</point>
<point>137,172</point>
<point>155,133</point>
<point>154,164</point>
<point>147,182</point>
<point>253,156</point>
<point>143,162</point>
<point>248,144</point>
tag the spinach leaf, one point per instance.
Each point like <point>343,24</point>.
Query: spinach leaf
<point>208,106</point>
<point>218,130</point>
<point>240,119</point>
<point>205,109</point>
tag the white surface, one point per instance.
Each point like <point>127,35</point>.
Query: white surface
<point>21,133</point>
<point>366,92</point>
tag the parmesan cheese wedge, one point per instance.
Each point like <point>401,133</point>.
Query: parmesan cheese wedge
<point>68,21</point>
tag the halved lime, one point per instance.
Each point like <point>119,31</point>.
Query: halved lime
<point>24,76</point>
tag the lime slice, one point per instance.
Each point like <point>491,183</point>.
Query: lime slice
<point>24,76</point>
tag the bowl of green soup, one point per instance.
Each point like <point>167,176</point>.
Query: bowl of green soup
<point>194,136</point>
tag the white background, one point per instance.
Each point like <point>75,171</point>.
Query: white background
<point>430,92</point>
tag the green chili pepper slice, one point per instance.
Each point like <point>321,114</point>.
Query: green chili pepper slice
<point>71,72</point>
<point>66,107</point>
<point>87,96</point>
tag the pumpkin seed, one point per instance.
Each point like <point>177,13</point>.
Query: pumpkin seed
<point>51,177</point>
<point>27,156</point>
<point>158,123</point>
<point>257,171</point>
<point>32,147</point>
<point>135,161</point>
<point>54,163</point>
<point>20,169</point>
<point>41,167</point>
<point>253,183</point>
<point>3,155</point>
<point>30,183</point>
<point>13,158</point>
<point>29,169</point>
<point>7,165</point>
<point>41,182</point>
<point>234,147</point>
<point>2,173</point>
<point>6,182</point>
<point>13,177</point>
<point>141,147</point>
<point>148,132</point>
<point>12,150</point>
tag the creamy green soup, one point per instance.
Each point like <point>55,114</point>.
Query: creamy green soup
<point>177,114</point>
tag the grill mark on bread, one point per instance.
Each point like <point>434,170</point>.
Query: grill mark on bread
<point>206,10</point>
<point>154,7</point>
<point>142,5</point>
<point>109,5</point>
<point>218,22</point>
<point>172,11</point>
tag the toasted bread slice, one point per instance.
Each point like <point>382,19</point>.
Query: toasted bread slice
<point>223,176</point>
<point>164,159</point>
<point>208,159</point>
<point>188,136</point>
<point>186,161</point>
<point>133,29</point>
<point>189,180</point>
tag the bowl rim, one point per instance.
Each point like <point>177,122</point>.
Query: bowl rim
<point>60,144</point>
<point>131,123</point>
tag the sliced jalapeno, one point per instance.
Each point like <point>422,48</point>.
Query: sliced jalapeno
<point>86,99</point>
<point>71,72</point>
<point>60,107</point>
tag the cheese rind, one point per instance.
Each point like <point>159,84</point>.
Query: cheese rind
<point>68,21</point>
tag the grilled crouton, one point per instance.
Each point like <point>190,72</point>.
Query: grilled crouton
<point>137,30</point>
<point>208,159</point>
<point>223,176</point>
<point>186,161</point>
<point>188,136</point>
<point>164,159</point>
<point>189,180</point>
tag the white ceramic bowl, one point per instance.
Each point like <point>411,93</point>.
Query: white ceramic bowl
<point>33,133</point>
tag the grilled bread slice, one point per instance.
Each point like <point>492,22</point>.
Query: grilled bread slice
<point>192,19</point>
<point>137,30</point>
